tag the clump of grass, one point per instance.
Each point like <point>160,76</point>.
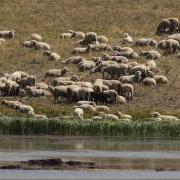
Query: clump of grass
<point>71,127</point>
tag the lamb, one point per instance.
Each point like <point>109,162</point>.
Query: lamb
<point>40,45</point>
<point>56,72</point>
<point>79,112</point>
<point>81,50</point>
<point>102,39</point>
<point>161,79</point>
<point>52,56</point>
<point>127,38</point>
<point>36,37</point>
<point>163,117</point>
<point>126,90</point>
<point>7,34</point>
<point>149,81</point>
<point>100,47</point>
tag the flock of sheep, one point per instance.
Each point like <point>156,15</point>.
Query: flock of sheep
<point>117,67</point>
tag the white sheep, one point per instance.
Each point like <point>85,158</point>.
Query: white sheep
<point>40,45</point>
<point>81,50</point>
<point>163,117</point>
<point>36,37</point>
<point>149,81</point>
<point>79,112</point>
<point>161,79</point>
<point>127,38</point>
<point>7,34</point>
<point>52,56</point>
<point>102,39</point>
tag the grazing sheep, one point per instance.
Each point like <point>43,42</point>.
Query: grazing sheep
<point>79,112</point>
<point>112,84</point>
<point>171,46</point>
<point>126,90</point>
<point>162,44</point>
<point>167,26</point>
<point>81,50</point>
<point>146,42</point>
<point>163,117</point>
<point>131,78</point>
<point>160,79</point>
<point>84,93</point>
<point>56,72</point>
<point>152,54</point>
<point>36,37</point>
<point>90,38</point>
<point>75,60</point>
<point>149,81</point>
<point>151,65</point>
<point>140,67</point>
<point>52,56</point>
<point>27,81</point>
<point>40,45</point>
<point>18,75</point>
<point>7,34</point>
<point>102,39</point>
<point>100,47</point>
<point>27,44</point>
<point>86,65</point>
<point>127,38</point>
<point>12,88</point>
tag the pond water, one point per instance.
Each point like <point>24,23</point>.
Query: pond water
<point>127,158</point>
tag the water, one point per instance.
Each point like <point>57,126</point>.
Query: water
<point>128,158</point>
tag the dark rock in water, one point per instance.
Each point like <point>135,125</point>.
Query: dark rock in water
<point>11,167</point>
<point>46,162</point>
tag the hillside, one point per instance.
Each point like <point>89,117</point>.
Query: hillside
<point>107,17</point>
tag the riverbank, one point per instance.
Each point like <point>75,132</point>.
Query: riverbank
<point>73,127</point>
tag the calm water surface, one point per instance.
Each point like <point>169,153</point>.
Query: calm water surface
<point>129,158</point>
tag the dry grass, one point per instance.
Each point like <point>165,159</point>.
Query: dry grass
<point>109,17</point>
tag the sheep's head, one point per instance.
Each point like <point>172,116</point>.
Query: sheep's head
<point>155,114</point>
<point>47,53</point>
<point>125,35</point>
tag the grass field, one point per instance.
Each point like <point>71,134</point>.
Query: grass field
<point>50,18</point>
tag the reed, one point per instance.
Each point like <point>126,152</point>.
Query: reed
<point>72,127</point>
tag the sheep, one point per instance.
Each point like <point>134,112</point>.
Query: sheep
<point>84,84</point>
<point>23,108</point>
<point>99,87</point>
<point>102,39</point>
<point>149,81</point>
<point>66,35</point>
<point>128,54</point>
<point>87,107</point>
<point>115,70</point>
<point>121,99</point>
<point>77,35</point>
<point>161,79</point>
<point>167,26</point>
<point>152,54</point>
<point>81,50</point>
<point>52,56</point>
<point>12,88</point>
<point>75,60</point>
<point>42,85</point>
<point>86,65</point>
<point>90,38</point>
<point>140,67</point>
<point>131,78</point>
<point>112,84</point>
<point>96,118</point>
<point>100,47</point>
<point>36,37</point>
<point>146,42</point>
<point>84,93</point>
<point>7,34</point>
<point>27,81</point>
<point>40,45</point>
<point>175,37</point>
<point>18,75</point>
<point>123,49</point>
<point>151,65</point>
<point>79,103</point>
<point>32,91</point>
<point>126,90</point>
<point>171,46</point>
<point>27,44</point>
<point>127,39</point>
<point>162,44</point>
<point>56,72</point>
<point>102,108</point>
<point>79,112</point>
<point>163,117</point>
<point>11,104</point>
<point>112,96</point>
<point>39,116</point>
<point>124,116</point>
<point>108,116</point>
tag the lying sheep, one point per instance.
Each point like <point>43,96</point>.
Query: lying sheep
<point>140,67</point>
<point>163,117</point>
<point>7,34</point>
<point>27,44</point>
<point>100,47</point>
<point>40,45</point>
<point>108,116</point>
<point>36,37</point>
<point>102,108</point>
<point>75,60</point>
<point>23,108</point>
<point>87,107</point>
<point>66,35</point>
<point>124,116</point>
<point>56,72</point>
<point>102,39</point>
<point>127,38</point>
<point>77,35</point>
<point>121,100</point>
<point>12,104</point>
<point>79,103</point>
<point>34,92</point>
<point>79,112</point>
<point>160,79</point>
<point>52,56</point>
<point>149,82</point>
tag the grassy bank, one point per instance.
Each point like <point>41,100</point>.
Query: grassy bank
<point>71,127</point>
